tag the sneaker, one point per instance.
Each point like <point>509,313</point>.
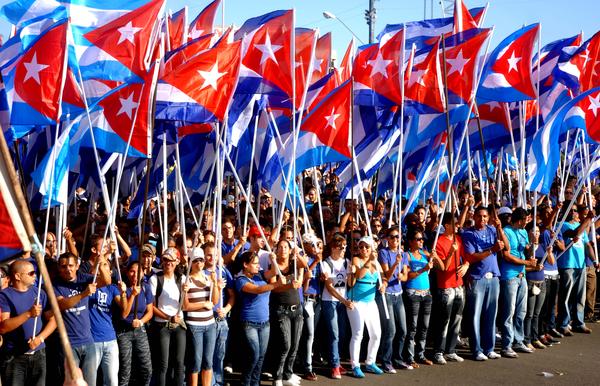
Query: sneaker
<point>278,382</point>
<point>290,382</point>
<point>539,345</point>
<point>530,345</point>
<point>481,357</point>
<point>264,374</point>
<point>343,370</point>
<point>310,376</point>
<point>357,372</point>
<point>555,334</point>
<point>404,366</point>
<point>454,357</point>
<point>548,338</point>
<point>228,369</point>
<point>566,332</point>
<point>582,330</point>
<point>335,373</point>
<point>295,378</point>
<point>389,369</point>
<point>493,355</point>
<point>373,369</point>
<point>438,359</point>
<point>425,361</point>
<point>522,348</point>
<point>509,353</point>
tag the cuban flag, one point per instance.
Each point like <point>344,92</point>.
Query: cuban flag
<point>35,82</point>
<point>550,56</point>
<point>178,28</point>
<point>582,112</point>
<point>23,12</point>
<point>424,88</point>
<point>580,71</point>
<point>345,68</point>
<point>506,76</point>
<point>203,23</point>
<point>322,58</point>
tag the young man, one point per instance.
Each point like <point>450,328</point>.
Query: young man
<point>23,359</point>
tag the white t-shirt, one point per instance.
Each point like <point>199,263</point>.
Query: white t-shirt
<point>264,259</point>
<point>168,301</point>
<point>338,274</point>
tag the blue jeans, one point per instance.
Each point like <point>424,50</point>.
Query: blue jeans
<point>107,356</point>
<point>571,297</point>
<point>482,302</point>
<point>450,312</point>
<point>311,319</point>
<point>336,320</point>
<point>24,369</point>
<point>257,339</point>
<point>222,332</point>
<point>85,359</point>
<point>418,313</point>
<point>169,341</point>
<point>393,329</point>
<point>134,342</point>
<point>534,308</point>
<point>513,308</point>
<point>202,351</point>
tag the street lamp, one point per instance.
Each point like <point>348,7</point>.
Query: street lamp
<point>329,15</point>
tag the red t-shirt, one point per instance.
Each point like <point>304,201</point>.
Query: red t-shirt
<point>448,278</point>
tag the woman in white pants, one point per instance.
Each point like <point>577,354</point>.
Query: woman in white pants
<point>365,278</point>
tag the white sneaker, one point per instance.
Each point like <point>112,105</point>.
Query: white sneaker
<point>438,359</point>
<point>290,382</point>
<point>228,369</point>
<point>279,382</point>
<point>481,357</point>
<point>493,355</point>
<point>454,357</point>
<point>295,378</point>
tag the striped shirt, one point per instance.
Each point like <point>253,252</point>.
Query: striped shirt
<point>199,293</point>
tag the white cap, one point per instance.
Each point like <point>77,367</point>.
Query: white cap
<point>504,210</point>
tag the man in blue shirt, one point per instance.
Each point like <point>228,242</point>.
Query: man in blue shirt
<point>513,285</point>
<point>482,242</point>
<point>572,275</point>
<point>72,290</point>
<point>23,357</point>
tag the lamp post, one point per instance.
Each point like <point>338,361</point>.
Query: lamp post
<point>329,15</point>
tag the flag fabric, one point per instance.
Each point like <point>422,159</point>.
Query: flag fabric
<point>174,58</point>
<point>203,23</point>
<point>322,58</point>
<point>129,38</point>
<point>582,112</point>
<point>506,76</point>
<point>424,90</point>
<point>178,28</point>
<point>305,59</point>
<point>579,71</point>
<point>463,20</point>
<point>35,82</point>
<point>23,12</point>
<point>13,237</point>
<point>345,69</point>
<point>201,89</point>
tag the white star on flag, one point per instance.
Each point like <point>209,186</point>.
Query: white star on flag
<point>128,33</point>
<point>494,105</point>
<point>417,77</point>
<point>594,103</point>
<point>196,33</point>
<point>211,77</point>
<point>268,50</point>
<point>457,64</point>
<point>379,65</point>
<point>331,118</point>
<point>33,69</point>
<point>127,106</point>
<point>317,64</point>
<point>512,62</point>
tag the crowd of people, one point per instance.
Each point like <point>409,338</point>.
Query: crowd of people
<point>277,301</point>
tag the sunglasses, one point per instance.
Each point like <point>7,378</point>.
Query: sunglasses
<point>419,239</point>
<point>198,260</point>
<point>30,273</point>
<point>394,236</point>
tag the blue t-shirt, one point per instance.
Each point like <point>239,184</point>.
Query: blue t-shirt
<point>574,257</point>
<point>545,240</point>
<point>100,304</point>
<point>314,287</point>
<point>517,241</point>
<point>416,263</point>
<point>144,298</point>
<point>17,302</point>
<point>77,318</point>
<point>387,256</point>
<point>226,248</point>
<point>476,241</point>
<point>229,284</point>
<point>253,308</point>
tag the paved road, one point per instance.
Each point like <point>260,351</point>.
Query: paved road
<point>576,361</point>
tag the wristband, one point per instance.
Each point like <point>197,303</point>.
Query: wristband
<point>41,339</point>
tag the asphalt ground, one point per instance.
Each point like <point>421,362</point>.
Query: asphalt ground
<point>576,361</point>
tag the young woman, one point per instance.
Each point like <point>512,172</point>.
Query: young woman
<point>253,297</point>
<point>201,294</point>
<point>365,278</point>
<point>286,313</point>
<point>131,331</point>
<point>417,299</point>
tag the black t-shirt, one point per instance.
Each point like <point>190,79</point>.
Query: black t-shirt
<point>289,297</point>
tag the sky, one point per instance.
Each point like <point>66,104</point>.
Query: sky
<point>559,18</point>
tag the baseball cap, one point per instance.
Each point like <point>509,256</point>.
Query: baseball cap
<point>149,248</point>
<point>504,210</point>
<point>170,254</point>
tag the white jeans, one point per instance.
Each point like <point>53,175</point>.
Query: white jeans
<point>364,313</point>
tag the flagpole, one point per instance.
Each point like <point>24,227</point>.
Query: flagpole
<point>250,172</point>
